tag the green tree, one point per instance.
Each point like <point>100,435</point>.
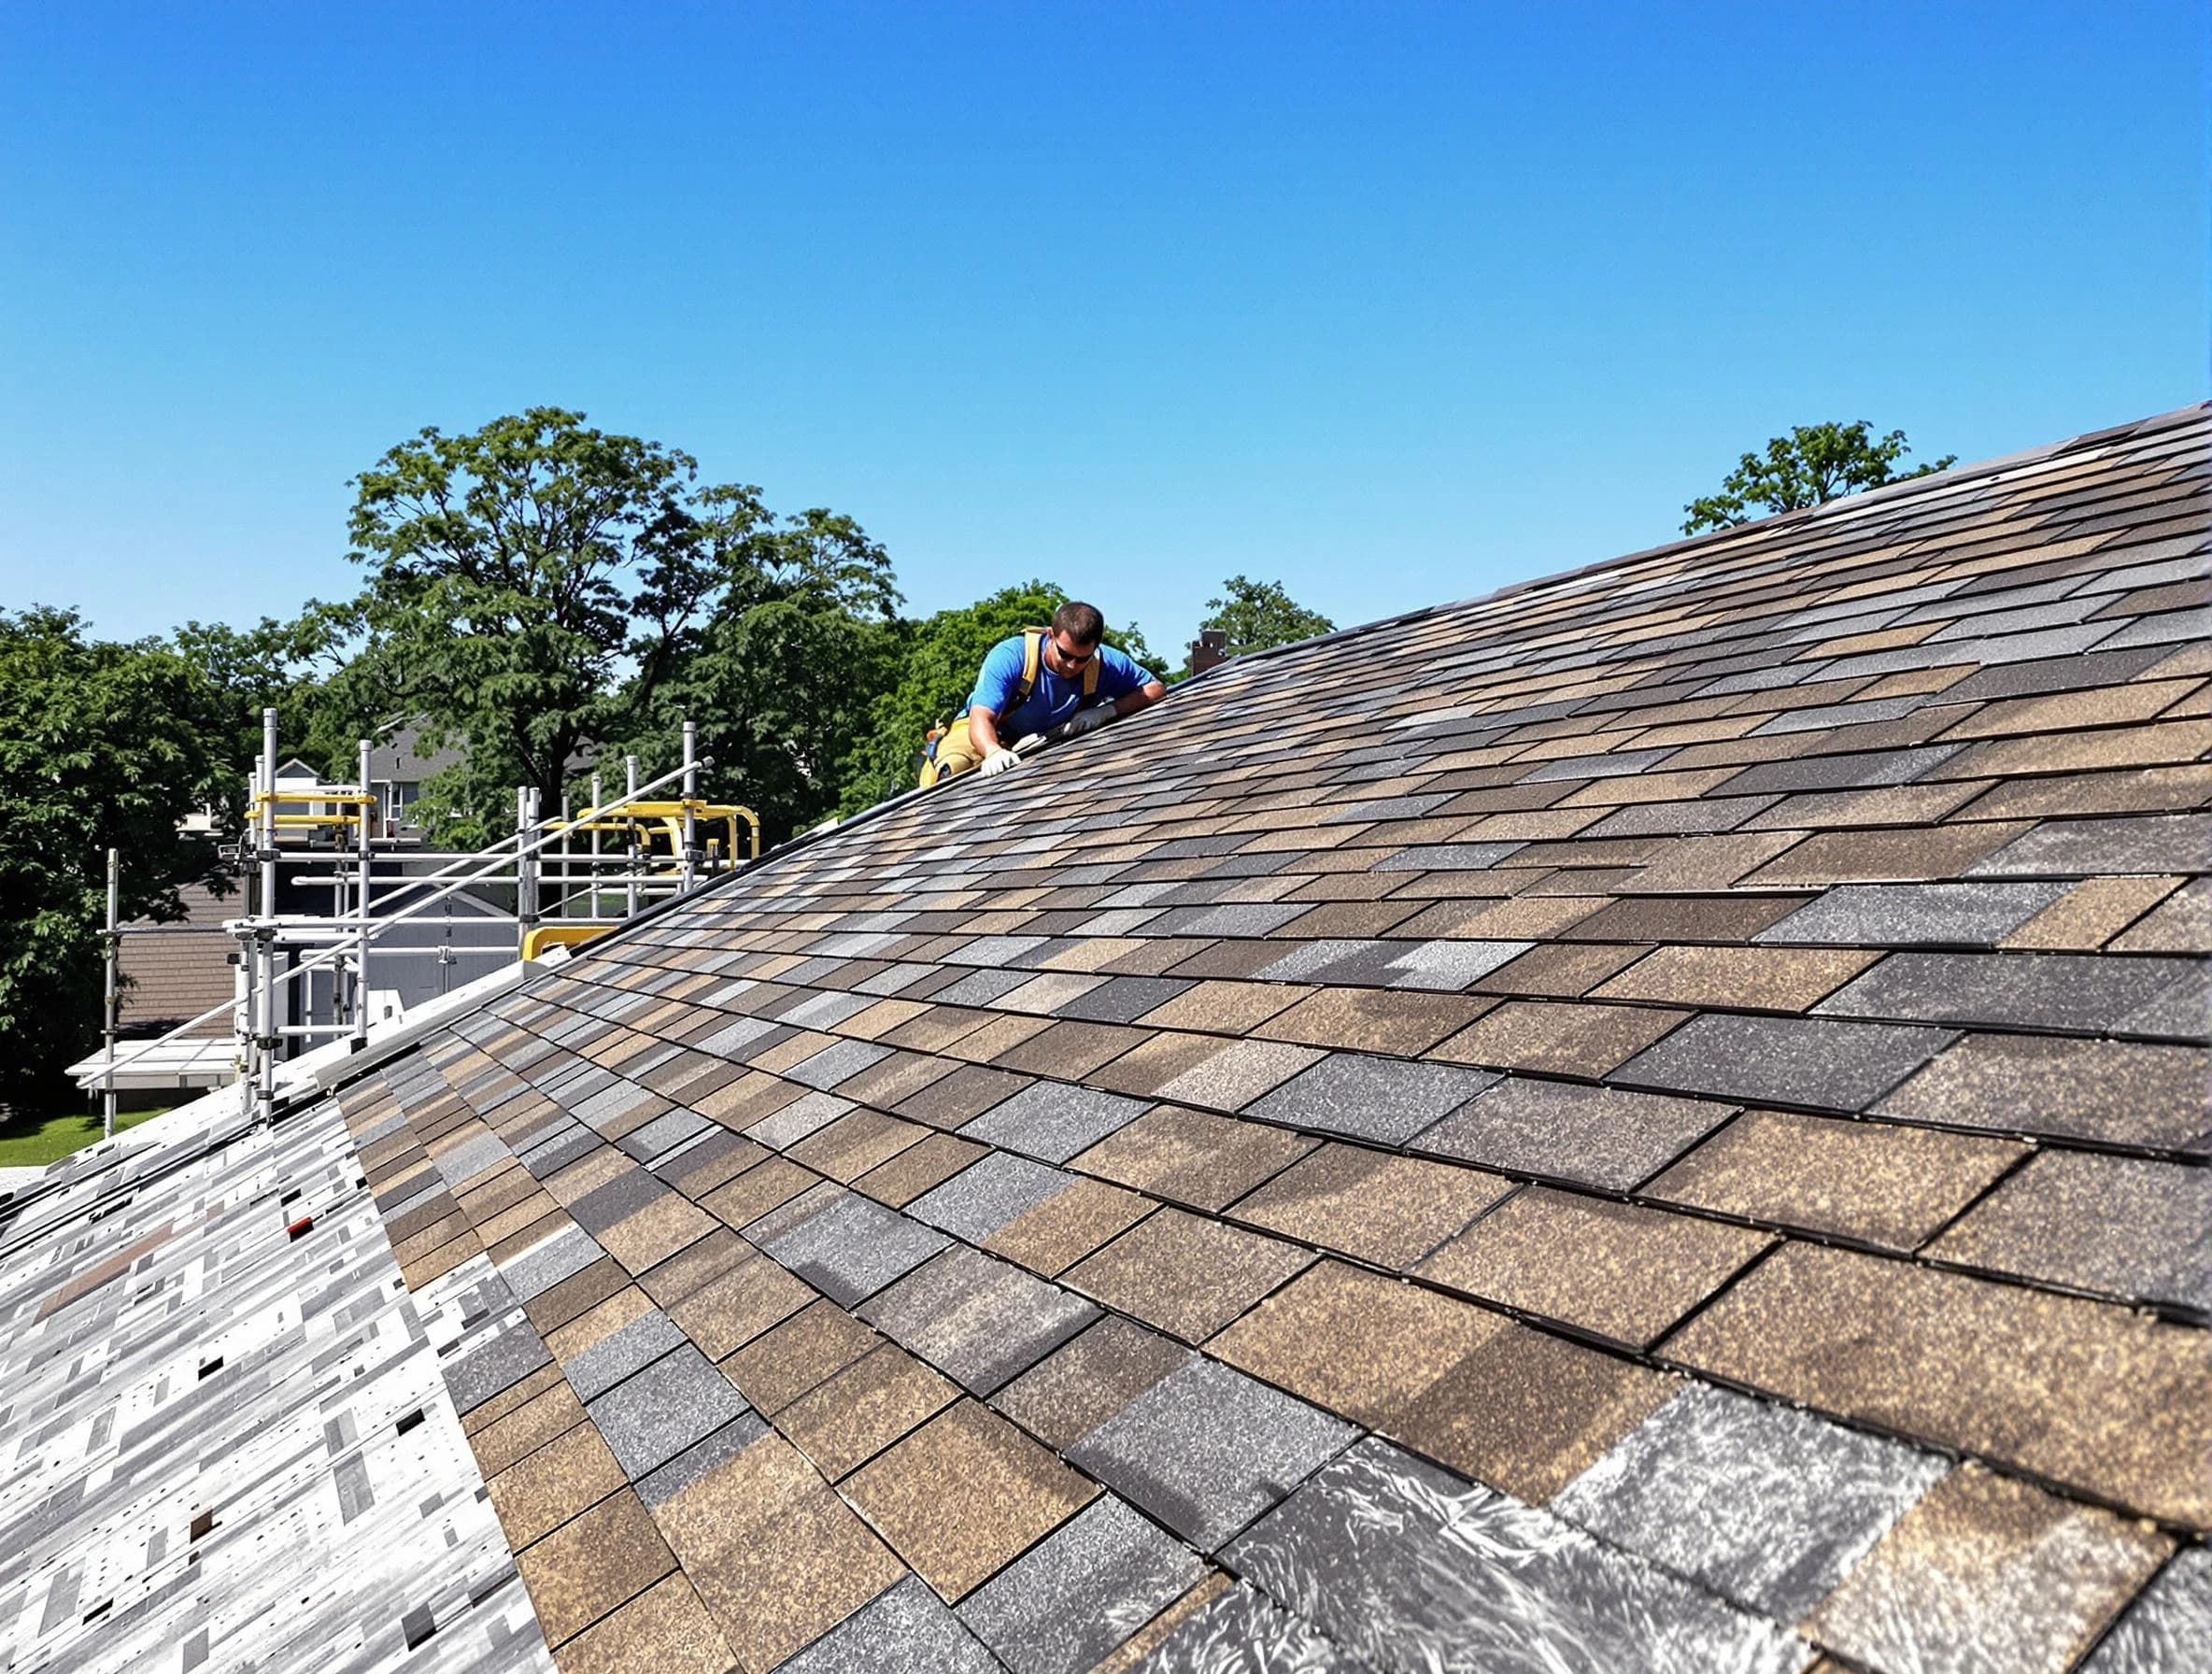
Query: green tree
<point>1259,615</point>
<point>784,677</point>
<point>935,662</point>
<point>536,586</point>
<point>288,666</point>
<point>1813,463</point>
<point>101,745</point>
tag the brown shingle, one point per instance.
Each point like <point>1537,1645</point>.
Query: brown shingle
<point>1989,1572</point>
<point>1879,1183</point>
<point>1388,1210</point>
<point>1186,1273</point>
<point>1192,1156</point>
<point>863,1408</point>
<point>1783,979</point>
<point>1610,1268</point>
<point>588,1566</point>
<point>2080,1392</point>
<point>965,1494</point>
<point>1558,1038</point>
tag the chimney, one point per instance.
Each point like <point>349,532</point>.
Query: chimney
<point>1209,650</point>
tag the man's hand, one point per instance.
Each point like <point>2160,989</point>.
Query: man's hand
<point>998,761</point>
<point>1088,720</point>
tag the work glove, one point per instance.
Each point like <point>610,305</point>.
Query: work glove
<point>1089,720</point>
<point>998,761</point>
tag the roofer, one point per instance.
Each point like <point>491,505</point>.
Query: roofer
<point>1036,680</point>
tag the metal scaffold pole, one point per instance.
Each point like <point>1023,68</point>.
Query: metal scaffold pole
<point>691,871</point>
<point>598,799</point>
<point>362,875</point>
<point>114,952</point>
<point>264,939</point>
<point>629,888</point>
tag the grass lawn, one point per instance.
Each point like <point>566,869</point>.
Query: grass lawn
<point>33,1140</point>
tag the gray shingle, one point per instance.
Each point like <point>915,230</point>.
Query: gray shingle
<point>1053,1121</point>
<point>987,1195</point>
<point>1067,1603</point>
<point>833,1064</point>
<point>1409,1569</point>
<point>854,1247</point>
<point>2082,994</point>
<point>1811,1062</point>
<point>1766,1506</point>
<point>979,1320</point>
<point>1372,1098</point>
<point>2089,847</point>
<point>655,1414</point>
<point>1902,914</point>
<point>908,1629</point>
<point>1606,1137</point>
<point>1207,1449</point>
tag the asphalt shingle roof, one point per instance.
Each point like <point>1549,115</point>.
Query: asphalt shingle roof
<point>1653,1120</point>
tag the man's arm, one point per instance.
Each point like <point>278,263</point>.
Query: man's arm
<point>983,731</point>
<point>1152,692</point>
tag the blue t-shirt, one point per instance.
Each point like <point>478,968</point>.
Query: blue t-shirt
<point>1053,698</point>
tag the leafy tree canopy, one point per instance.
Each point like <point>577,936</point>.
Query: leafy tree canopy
<point>296,668</point>
<point>1259,615</point>
<point>1813,463</point>
<point>101,745</point>
<point>539,590</point>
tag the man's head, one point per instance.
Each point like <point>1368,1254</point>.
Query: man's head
<point>1076,631</point>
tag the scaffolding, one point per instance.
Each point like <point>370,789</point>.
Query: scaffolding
<point>571,877</point>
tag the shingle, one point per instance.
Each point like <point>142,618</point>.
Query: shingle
<point>1192,1156</point>
<point>978,1320</point>
<point>1186,1273</point>
<point>1615,1269</point>
<point>1124,998</point>
<point>834,1064</point>
<point>2080,1392</point>
<point>1053,1121</point>
<point>1388,1210</point>
<point>1810,1061</point>
<point>1558,1037</point>
<point>1786,979</point>
<point>1411,1568</point>
<point>1877,1182</point>
<point>1372,1098</point>
<point>853,1247</point>
<point>1206,1450</point>
<point>1078,1595</point>
<point>2117,1092</point>
<point>963,1494</point>
<point>980,1200</point>
<point>1607,1137</point>
<point>908,1629</point>
<point>1088,1380</point>
<point>654,1415</point>
<point>2169,1622</point>
<point>1766,1506</point>
<point>2129,1227</point>
<point>1902,914</point>
<point>2080,994</point>
<point>797,1119</point>
<point>1231,1079</point>
<point>1992,1572</point>
<point>2086,847</point>
<point>863,1407</point>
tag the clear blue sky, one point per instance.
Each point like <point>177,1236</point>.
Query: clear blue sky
<point>1394,302</point>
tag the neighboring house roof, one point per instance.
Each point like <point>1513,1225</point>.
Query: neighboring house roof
<point>402,757</point>
<point>1654,1120</point>
<point>179,970</point>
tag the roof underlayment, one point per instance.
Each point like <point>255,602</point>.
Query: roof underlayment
<point>1656,1120</point>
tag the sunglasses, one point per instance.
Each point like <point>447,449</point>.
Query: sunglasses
<point>1075,659</point>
